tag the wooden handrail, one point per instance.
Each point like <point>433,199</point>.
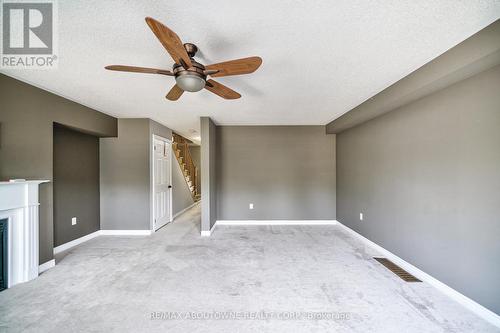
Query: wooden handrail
<point>187,164</point>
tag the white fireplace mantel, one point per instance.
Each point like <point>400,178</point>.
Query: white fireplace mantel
<point>19,205</point>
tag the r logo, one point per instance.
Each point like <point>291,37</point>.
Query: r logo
<point>27,28</point>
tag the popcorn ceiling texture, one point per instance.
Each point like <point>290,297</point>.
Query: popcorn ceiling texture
<point>321,58</point>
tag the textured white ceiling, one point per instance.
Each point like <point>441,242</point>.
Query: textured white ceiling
<point>321,58</point>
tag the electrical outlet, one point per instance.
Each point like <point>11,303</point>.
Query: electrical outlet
<point>361,216</point>
<point>250,206</point>
<point>73,220</point>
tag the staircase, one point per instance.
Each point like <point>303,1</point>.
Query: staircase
<point>180,145</point>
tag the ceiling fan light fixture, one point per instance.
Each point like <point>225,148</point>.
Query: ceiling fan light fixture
<point>190,82</point>
<point>189,74</point>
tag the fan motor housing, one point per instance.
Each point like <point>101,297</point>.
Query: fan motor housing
<point>197,70</point>
<point>192,79</point>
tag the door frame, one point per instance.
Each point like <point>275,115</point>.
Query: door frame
<point>152,178</point>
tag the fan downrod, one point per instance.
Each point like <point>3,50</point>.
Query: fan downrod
<point>191,49</point>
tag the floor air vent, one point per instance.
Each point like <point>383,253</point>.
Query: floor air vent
<point>397,270</point>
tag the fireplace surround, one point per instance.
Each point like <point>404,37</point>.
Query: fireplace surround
<point>3,253</point>
<point>19,213</point>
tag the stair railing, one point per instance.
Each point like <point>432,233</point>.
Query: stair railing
<point>188,166</point>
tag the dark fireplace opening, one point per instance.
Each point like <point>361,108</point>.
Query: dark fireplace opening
<point>3,254</point>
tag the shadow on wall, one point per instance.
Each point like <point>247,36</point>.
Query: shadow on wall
<point>76,184</point>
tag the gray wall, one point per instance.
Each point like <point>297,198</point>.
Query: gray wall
<point>427,179</point>
<point>182,197</point>
<point>76,184</point>
<point>160,130</point>
<point>196,155</point>
<point>287,172</point>
<point>125,177</point>
<point>208,173</point>
<point>27,115</point>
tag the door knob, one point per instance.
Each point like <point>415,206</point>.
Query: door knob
<point>169,186</point>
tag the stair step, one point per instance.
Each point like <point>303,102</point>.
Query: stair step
<point>179,146</point>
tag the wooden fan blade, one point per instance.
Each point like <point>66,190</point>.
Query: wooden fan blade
<point>236,67</point>
<point>171,42</point>
<point>174,93</point>
<point>122,68</point>
<point>221,90</point>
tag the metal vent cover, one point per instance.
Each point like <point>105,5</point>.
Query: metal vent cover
<point>404,275</point>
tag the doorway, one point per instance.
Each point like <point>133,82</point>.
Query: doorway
<point>162,181</point>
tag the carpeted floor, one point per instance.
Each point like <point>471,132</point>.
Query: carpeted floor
<point>241,279</point>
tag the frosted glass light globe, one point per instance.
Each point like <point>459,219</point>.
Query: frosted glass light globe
<point>190,82</point>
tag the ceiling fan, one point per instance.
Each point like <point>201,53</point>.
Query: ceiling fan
<point>189,74</point>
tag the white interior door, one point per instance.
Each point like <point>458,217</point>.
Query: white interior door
<point>162,182</point>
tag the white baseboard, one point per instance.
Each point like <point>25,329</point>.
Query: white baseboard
<point>276,222</point>
<point>88,237</point>
<point>46,265</point>
<point>185,209</point>
<point>473,306</point>
<point>75,242</point>
<point>208,233</point>
<point>125,232</point>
